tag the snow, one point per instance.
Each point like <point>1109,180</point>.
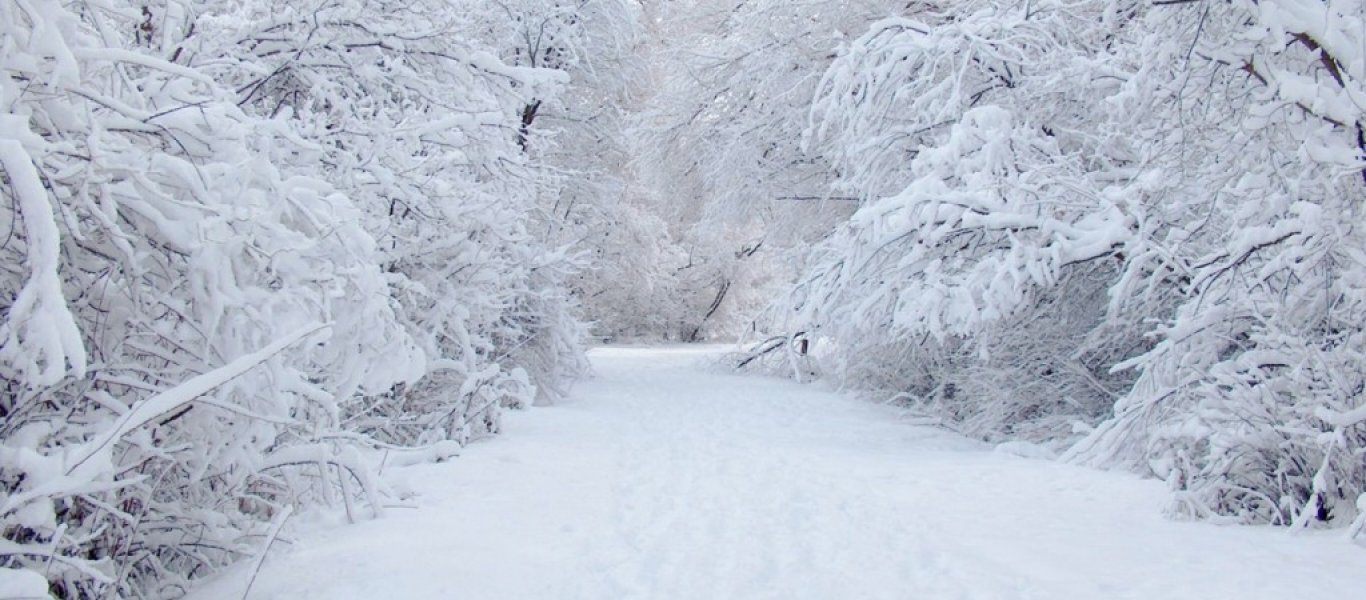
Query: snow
<point>178,396</point>
<point>39,335</point>
<point>18,584</point>
<point>663,479</point>
<point>140,58</point>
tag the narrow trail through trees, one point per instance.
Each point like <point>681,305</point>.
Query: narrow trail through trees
<point>662,479</point>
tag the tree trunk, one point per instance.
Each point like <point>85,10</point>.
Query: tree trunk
<point>528,117</point>
<point>715,304</point>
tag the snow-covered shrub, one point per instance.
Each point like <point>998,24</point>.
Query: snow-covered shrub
<point>993,273</point>
<point>247,243</point>
<point>224,308</point>
<point>1141,214</point>
<point>1249,403</point>
<point>426,131</point>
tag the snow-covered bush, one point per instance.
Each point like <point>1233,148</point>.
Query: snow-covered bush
<point>991,270</point>
<point>978,290</point>
<point>1249,403</point>
<point>1132,215</point>
<point>426,131</point>
<point>184,251</point>
<point>247,243</point>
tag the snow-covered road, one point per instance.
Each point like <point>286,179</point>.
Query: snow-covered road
<point>662,480</point>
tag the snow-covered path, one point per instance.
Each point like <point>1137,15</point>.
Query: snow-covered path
<point>661,480</point>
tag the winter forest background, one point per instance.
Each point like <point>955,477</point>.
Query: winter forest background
<point>253,252</point>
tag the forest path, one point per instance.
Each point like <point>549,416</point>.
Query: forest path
<point>661,480</point>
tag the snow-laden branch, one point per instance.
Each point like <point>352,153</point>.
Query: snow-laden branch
<point>96,453</point>
<point>39,340</point>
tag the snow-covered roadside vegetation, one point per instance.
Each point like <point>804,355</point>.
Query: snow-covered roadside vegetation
<point>247,246</point>
<point>251,252</point>
<point>1126,230</point>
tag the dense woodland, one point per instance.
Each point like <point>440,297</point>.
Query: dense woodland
<point>255,252</point>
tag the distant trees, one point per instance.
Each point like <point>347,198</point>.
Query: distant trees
<point>590,203</point>
<point>248,244</point>
<point>1137,217</point>
<point>719,140</point>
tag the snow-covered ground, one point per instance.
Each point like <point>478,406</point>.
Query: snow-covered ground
<point>662,480</point>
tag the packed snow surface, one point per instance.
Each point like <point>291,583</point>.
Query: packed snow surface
<point>662,479</point>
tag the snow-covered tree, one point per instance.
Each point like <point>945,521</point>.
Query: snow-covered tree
<point>588,202</point>
<point>428,131</point>
<point>1000,224</point>
<point>719,140</point>
<point>1131,215</point>
<point>1249,405</point>
<point>250,242</point>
